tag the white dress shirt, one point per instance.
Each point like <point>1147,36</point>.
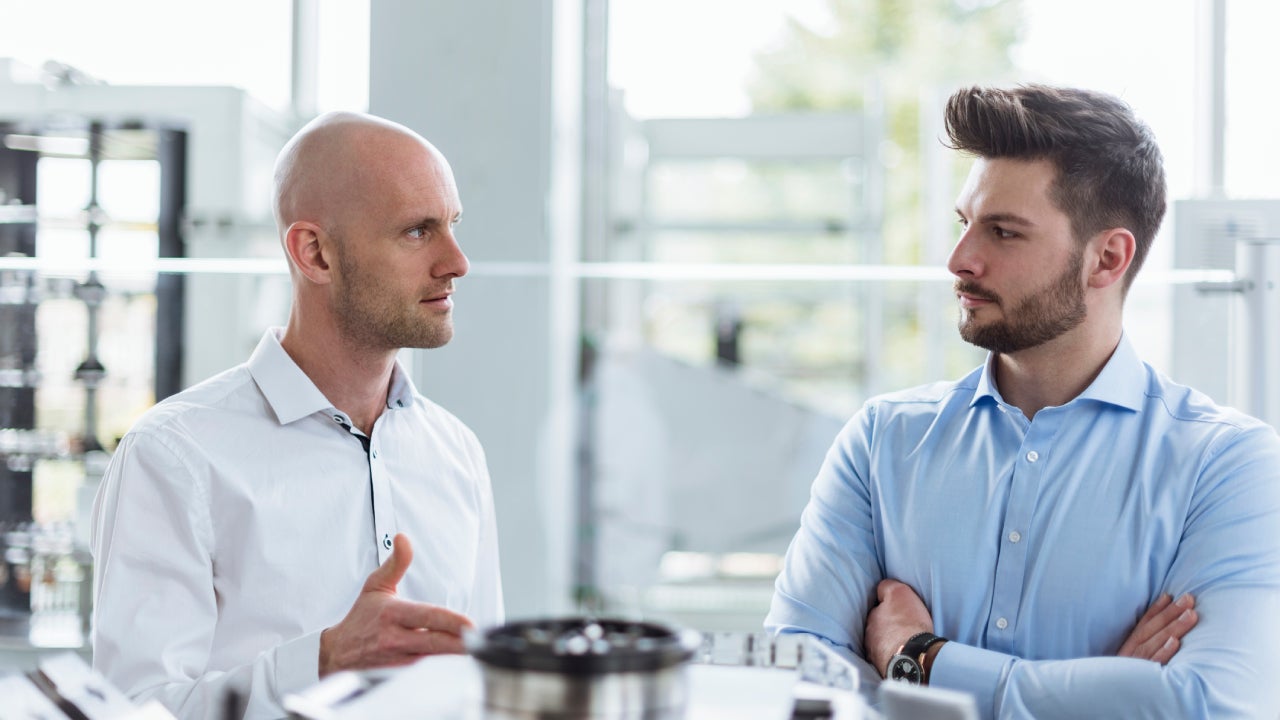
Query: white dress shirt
<point>240,518</point>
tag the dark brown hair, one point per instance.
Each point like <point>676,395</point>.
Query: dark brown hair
<point>1110,171</point>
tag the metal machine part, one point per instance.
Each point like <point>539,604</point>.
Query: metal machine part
<point>451,686</point>
<point>584,668</point>
<point>815,661</point>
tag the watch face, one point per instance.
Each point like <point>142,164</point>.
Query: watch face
<point>904,667</point>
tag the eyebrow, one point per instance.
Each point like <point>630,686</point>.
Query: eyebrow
<point>1006,218</point>
<point>437,222</point>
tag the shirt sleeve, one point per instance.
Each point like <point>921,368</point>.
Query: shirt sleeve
<point>828,582</point>
<point>1229,558</point>
<point>155,608</point>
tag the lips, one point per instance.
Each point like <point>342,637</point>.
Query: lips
<point>439,296</point>
<point>973,296</point>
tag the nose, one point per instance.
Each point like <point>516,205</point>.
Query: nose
<point>452,262</point>
<point>964,260</point>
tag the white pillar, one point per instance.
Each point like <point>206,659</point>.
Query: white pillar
<point>496,86</point>
<point>1257,347</point>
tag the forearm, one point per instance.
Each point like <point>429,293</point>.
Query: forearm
<point>1100,687</point>
<point>190,693</point>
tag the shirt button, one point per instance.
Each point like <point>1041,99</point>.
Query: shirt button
<point>1015,536</point>
<point>1033,456</point>
<point>386,541</point>
<point>1002,623</point>
<point>337,419</point>
<point>1001,408</point>
<point>375,454</point>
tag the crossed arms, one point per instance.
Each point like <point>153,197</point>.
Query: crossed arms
<point>1090,641</point>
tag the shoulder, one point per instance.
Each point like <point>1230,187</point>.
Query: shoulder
<point>1191,412</point>
<point>1224,448</point>
<point>444,423</point>
<point>925,401</point>
<point>911,411</point>
<point>210,400</point>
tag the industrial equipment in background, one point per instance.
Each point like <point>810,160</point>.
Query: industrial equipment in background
<point>1226,335</point>
<point>97,193</point>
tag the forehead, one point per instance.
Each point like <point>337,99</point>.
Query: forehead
<point>416,180</point>
<point>1006,185</point>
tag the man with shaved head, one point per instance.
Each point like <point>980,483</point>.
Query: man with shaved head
<point>258,531</point>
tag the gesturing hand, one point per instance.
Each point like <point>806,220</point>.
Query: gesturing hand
<point>899,615</point>
<point>1159,631</point>
<point>381,629</point>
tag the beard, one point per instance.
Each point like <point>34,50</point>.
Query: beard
<point>1040,317</point>
<point>372,314</point>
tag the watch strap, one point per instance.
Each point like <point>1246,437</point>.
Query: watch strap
<point>917,646</point>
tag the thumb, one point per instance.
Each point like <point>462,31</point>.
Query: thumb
<point>388,575</point>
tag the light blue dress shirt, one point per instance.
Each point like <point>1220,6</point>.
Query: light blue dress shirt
<point>1037,545</point>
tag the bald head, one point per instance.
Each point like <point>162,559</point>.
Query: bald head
<point>337,165</point>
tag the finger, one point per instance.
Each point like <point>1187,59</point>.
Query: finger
<point>1183,625</point>
<point>419,642</point>
<point>1156,627</point>
<point>1175,631</point>
<point>1164,621</point>
<point>389,574</point>
<point>1161,603</point>
<point>1166,651</point>
<point>419,616</point>
<point>439,643</point>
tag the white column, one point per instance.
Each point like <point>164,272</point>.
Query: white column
<point>496,86</point>
<point>1257,347</point>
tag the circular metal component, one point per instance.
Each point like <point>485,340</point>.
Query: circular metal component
<point>584,668</point>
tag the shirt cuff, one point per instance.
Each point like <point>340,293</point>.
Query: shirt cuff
<point>298,664</point>
<point>981,673</point>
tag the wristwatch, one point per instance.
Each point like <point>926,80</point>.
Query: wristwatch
<point>908,663</point>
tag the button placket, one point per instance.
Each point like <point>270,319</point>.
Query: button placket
<point>1013,558</point>
<point>384,515</point>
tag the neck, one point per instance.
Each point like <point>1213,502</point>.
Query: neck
<point>1055,372</point>
<point>355,379</point>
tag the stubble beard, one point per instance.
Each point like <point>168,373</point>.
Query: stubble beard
<point>372,316</point>
<point>1042,316</point>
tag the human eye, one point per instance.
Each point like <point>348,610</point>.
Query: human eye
<point>1002,233</point>
<point>417,232</point>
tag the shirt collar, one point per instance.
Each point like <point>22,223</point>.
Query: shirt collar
<point>292,395</point>
<point>402,389</point>
<point>1121,382</point>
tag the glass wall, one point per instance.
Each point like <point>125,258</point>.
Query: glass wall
<point>781,294</point>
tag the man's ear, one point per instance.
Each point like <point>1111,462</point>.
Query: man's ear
<point>309,250</point>
<point>1111,252</point>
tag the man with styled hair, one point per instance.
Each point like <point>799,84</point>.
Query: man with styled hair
<point>1065,532</point>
